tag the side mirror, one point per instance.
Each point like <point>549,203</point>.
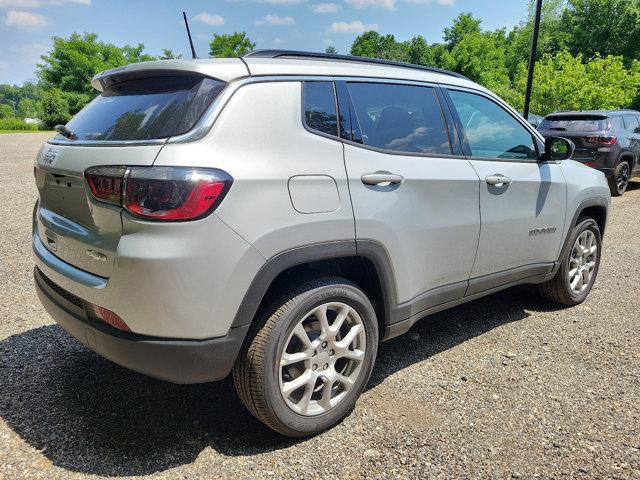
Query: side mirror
<point>558,148</point>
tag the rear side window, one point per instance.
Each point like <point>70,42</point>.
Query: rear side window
<point>320,107</point>
<point>575,123</point>
<point>401,118</point>
<point>146,109</point>
<point>490,130</point>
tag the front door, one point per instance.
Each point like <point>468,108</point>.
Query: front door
<point>522,199</point>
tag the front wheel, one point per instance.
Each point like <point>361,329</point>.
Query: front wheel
<point>620,179</point>
<point>309,357</point>
<point>579,266</point>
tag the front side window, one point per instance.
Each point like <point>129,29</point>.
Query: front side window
<point>320,107</point>
<point>491,131</point>
<point>146,108</point>
<point>401,118</point>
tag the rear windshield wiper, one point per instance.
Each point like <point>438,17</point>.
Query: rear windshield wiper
<point>559,129</point>
<point>62,130</point>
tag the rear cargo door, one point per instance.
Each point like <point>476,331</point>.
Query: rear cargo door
<point>69,221</point>
<point>127,125</point>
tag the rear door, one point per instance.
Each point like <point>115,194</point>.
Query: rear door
<point>522,200</point>
<point>126,125</point>
<point>411,190</point>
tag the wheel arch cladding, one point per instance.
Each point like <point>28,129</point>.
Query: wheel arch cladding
<point>365,263</point>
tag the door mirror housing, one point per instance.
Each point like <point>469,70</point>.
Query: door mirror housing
<point>558,148</point>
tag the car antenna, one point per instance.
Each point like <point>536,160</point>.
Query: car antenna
<point>186,24</point>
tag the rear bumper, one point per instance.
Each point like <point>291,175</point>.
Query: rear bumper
<point>176,361</point>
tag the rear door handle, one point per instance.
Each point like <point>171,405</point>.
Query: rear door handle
<point>498,180</point>
<point>381,178</point>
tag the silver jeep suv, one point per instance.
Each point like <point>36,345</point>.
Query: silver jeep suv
<point>280,214</point>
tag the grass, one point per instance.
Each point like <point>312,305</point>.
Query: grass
<point>26,131</point>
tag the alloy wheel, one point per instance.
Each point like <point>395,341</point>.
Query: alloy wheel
<point>322,358</point>
<point>582,262</point>
<point>622,181</point>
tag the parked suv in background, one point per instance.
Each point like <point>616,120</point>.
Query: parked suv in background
<point>280,214</point>
<point>608,140</point>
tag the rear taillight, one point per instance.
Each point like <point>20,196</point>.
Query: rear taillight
<point>107,316</point>
<point>160,193</point>
<point>603,140</point>
<point>106,183</point>
<point>591,164</point>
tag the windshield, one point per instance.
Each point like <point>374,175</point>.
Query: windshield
<point>576,123</point>
<point>146,108</point>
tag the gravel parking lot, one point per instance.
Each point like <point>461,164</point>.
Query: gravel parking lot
<point>504,387</point>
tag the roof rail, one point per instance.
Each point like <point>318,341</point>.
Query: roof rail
<point>348,58</point>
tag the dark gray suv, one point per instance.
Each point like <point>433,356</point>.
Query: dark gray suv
<point>608,140</point>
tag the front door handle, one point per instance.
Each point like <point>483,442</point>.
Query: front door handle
<point>381,178</point>
<point>498,180</point>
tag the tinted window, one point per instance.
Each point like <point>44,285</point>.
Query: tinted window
<point>401,118</point>
<point>146,108</point>
<point>320,107</point>
<point>631,122</point>
<point>491,131</point>
<point>575,123</point>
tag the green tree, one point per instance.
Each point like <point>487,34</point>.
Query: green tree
<point>565,82</point>
<point>55,108</point>
<point>225,45</point>
<point>330,50</point>
<point>28,108</point>
<point>168,54</point>
<point>372,44</point>
<point>608,27</point>
<point>463,25</point>
<point>6,111</point>
<point>552,37</point>
<point>73,62</point>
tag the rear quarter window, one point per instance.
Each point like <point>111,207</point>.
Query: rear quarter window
<point>146,108</point>
<point>320,107</point>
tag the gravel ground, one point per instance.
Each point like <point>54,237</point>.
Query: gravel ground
<point>504,387</point>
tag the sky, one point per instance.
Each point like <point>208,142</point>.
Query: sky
<point>26,26</point>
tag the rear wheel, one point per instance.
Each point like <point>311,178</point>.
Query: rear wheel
<point>310,357</point>
<point>619,181</point>
<point>579,267</point>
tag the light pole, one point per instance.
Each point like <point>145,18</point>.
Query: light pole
<point>532,59</point>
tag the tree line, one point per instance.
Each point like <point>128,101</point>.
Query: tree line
<point>588,58</point>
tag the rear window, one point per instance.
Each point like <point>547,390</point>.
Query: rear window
<point>146,108</point>
<point>575,123</point>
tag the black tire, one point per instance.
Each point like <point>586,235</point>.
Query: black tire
<point>558,289</point>
<point>256,372</point>
<point>620,179</point>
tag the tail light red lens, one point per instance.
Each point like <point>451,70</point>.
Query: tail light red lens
<point>591,164</point>
<point>600,140</point>
<point>106,183</point>
<point>107,316</point>
<point>160,193</point>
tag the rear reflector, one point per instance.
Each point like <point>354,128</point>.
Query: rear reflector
<point>160,193</point>
<point>107,316</point>
<point>600,140</point>
<point>591,164</point>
